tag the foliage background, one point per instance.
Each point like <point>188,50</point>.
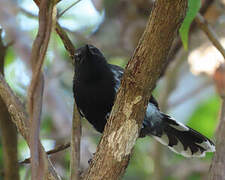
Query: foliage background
<point>186,90</point>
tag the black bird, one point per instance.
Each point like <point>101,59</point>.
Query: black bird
<point>95,86</point>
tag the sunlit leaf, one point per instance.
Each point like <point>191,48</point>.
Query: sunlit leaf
<point>193,8</point>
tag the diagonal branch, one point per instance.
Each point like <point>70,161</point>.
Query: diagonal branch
<point>141,74</point>
<point>20,119</point>
<point>65,10</point>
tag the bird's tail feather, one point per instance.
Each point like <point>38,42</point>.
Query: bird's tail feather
<point>182,139</point>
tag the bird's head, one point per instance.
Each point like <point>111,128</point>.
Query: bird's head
<point>88,54</point>
<point>90,63</point>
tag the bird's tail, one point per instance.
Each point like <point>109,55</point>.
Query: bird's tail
<point>181,139</point>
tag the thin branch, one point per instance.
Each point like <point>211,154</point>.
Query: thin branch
<point>63,12</point>
<point>75,145</point>
<point>203,24</point>
<point>66,41</point>
<point>50,152</point>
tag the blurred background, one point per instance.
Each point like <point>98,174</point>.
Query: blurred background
<point>185,90</point>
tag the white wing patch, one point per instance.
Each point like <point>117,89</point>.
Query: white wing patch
<point>180,126</point>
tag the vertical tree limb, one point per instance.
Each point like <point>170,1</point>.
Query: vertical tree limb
<point>75,145</point>
<point>8,131</point>
<point>141,74</point>
<point>35,92</point>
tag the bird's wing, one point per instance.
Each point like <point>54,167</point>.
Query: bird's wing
<point>118,74</point>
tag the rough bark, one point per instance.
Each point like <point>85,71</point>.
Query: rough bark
<point>139,79</point>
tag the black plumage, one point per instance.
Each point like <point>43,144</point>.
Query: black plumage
<point>95,86</point>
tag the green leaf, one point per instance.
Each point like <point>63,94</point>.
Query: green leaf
<point>193,8</point>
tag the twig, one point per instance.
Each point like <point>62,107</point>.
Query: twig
<point>50,152</point>
<point>66,41</point>
<point>75,145</point>
<point>202,23</point>
<point>73,4</point>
